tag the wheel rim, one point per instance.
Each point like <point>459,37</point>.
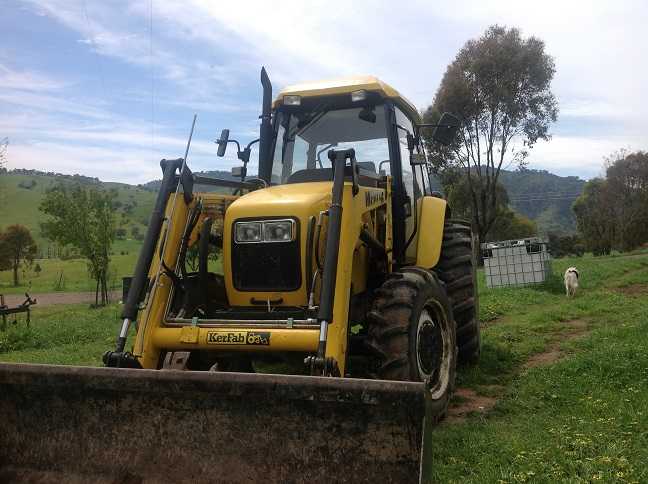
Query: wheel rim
<point>432,350</point>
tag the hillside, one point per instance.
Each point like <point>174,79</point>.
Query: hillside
<point>21,192</point>
<point>544,197</point>
<point>154,185</point>
<point>539,195</point>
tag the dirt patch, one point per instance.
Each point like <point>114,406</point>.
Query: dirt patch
<point>572,330</point>
<point>51,298</point>
<point>577,325</point>
<point>633,290</point>
<point>467,402</point>
<point>549,356</point>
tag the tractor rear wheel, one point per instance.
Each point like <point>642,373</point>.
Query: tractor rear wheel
<point>458,270</point>
<point>412,334</point>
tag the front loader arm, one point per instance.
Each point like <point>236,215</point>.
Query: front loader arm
<point>120,358</point>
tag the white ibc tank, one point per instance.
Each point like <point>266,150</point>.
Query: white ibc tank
<point>516,262</point>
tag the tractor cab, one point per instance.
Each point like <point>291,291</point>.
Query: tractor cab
<point>371,118</point>
<point>360,113</point>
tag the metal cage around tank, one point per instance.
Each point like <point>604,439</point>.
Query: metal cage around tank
<point>516,262</point>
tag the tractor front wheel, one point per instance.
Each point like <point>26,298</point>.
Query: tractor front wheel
<point>412,333</point>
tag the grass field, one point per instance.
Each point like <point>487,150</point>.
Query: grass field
<point>20,205</point>
<point>567,379</point>
<point>68,275</point>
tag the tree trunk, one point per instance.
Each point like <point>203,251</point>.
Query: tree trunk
<point>104,292</point>
<point>97,293</point>
<point>15,275</point>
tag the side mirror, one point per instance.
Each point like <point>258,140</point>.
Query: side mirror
<point>222,142</point>
<point>446,130</point>
<point>381,170</point>
<point>237,171</point>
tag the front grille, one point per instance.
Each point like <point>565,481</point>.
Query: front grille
<point>271,266</point>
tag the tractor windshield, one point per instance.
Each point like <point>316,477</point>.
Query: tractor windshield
<point>304,137</point>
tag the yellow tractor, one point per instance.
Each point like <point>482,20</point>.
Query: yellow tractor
<point>318,332</point>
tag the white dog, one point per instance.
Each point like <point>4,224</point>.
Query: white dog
<point>571,281</point>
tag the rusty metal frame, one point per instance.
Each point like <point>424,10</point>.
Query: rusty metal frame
<point>24,307</point>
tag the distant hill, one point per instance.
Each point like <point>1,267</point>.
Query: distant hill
<point>154,185</point>
<point>537,194</point>
<point>544,197</point>
<point>21,192</point>
<point>541,196</point>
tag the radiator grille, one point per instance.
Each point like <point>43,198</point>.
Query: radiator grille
<point>266,266</point>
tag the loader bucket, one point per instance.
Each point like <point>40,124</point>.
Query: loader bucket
<point>81,424</point>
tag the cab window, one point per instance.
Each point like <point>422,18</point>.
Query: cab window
<point>415,186</point>
<point>304,137</point>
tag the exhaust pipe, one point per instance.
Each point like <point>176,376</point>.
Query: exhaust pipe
<point>265,133</point>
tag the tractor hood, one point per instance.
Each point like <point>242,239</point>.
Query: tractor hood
<point>292,200</point>
<point>273,271</point>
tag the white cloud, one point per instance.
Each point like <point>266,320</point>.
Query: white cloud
<point>130,164</point>
<point>207,52</point>
<point>580,156</point>
<point>53,103</point>
<point>593,108</point>
<point>29,81</point>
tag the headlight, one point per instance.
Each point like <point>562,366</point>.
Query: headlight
<point>280,231</point>
<point>248,232</point>
<point>292,100</point>
<point>357,96</point>
<point>265,231</point>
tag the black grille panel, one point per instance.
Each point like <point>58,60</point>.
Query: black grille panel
<point>273,266</point>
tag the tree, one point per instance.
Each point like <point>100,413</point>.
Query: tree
<point>627,178</point>
<point>18,249</point>
<point>459,196</point>
<point>596,216</point>
<point>84,219</point>
<point>612,212</point>
<point>507,225</point>
<point>511,225</point>
<point>565,245</point>
<point>37,269</point>
<point>5,259</point>
<point>499,86</point>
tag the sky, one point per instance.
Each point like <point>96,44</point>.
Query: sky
<point>108,88</point>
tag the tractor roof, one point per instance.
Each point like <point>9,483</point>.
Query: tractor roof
<point>348,85</point>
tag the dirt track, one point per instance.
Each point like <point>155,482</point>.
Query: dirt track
<point>51,298</point>
<point>469,401</point>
